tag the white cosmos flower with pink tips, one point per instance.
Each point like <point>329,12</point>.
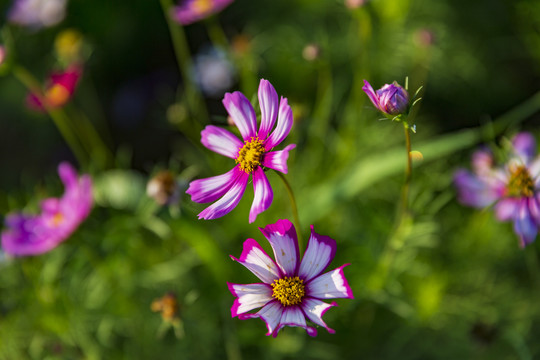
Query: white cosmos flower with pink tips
<point>292,289</point>
<point>251,155</point>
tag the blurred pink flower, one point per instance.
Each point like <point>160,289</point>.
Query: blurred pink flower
<point>292,289</point>
<point>59,90</point>
<point>190,11</point>
<point>251,155</point>
<point>37,13</point>
<point>59,218</point>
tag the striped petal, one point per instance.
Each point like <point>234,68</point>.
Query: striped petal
<point>319,253</point>
<point>212,188</point>
<point>221,141</point>
<point>293,316</point>
<point>524,225</point>
<point>268,101</point>
<point>263,194</point>
<point>249,297</point>
<point>282,238</point>
<point>277,160</point>
<point>256,260</point>
<point>228,201</point>
<point>270,314</point>
<point>242,113</point>
<point>330,285</point>
<point>314,309</point>
<point>368,89</point>
<point>283,127</point>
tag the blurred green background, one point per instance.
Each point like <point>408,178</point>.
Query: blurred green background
<point>450,284</point>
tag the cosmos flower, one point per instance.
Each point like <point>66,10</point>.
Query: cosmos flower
<point>190,11</point>
<point>59,218</point>
<point>391,99</point>
<point>292,289</point>
<point>59,90</point>
<point>513,189</point>
<point>250,156</point>
<point>37,13</point>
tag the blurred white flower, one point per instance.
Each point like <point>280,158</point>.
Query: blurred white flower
<point>213,72</point>
<point>37,13</point>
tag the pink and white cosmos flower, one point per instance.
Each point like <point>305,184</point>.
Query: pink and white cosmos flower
<point>190,11</point>
<point>251,156</point>
<point>292,289</point>
<point>513,189</point>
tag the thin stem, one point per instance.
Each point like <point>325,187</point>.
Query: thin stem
<point>408,170</point>
<point>216,34</point>
<point>183,58</point>
<point>59,118</point>
<point>294,210</point>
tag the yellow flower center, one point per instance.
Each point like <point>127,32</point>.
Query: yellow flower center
<point>57,219</point>
<point>520,184</point>
<point>250,155</point>
<point>288,290</point>
<point>202,6</point>
<point>57,95</point>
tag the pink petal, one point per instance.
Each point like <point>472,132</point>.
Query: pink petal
<point>330,285</point>
<point>314,309</point>
<point>277,160</point>
<point>293,316</point>
<point>258,262</point>
<point>283,127</point>
<point>67,174</point>
<point>221,141</point>
<point>228,201</point>
<point>268,101</point>
<point>368,89</point>
<point>524,146</point>
<point>50,205</point>
<point>270,314</point>
<point>242,113</point>
<point>505,209</point>
<point>319,253</point>
<point>212,188</point>
<point>250,296</point>
<point>524,225</point>
<point>282,238</point>
<point>263,194</point>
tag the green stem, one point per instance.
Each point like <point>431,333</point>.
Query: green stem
<point>294,210</point>
<point>408,170</point>
<point>216,34</point>
<point>183,57</point>
<point>57,115</point>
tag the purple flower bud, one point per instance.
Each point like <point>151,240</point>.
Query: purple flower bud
<point>391,99</point>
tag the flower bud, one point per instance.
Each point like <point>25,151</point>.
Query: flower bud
<point>311,52</point>
<point>163,188</point>
<point>391,99</point>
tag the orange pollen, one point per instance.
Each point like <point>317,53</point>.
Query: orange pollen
<point>250,155</point>
<point>521,183</point>
<point>202,6</point>
<point>57,219</point>
<point>57,95</point>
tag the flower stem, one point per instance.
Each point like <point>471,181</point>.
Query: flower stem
<point>408,170</point>
<point>57,115</point>
<point>294,210</point>
<point>183,57</point>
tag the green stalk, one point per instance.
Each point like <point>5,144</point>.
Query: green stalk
<point>294,209</point>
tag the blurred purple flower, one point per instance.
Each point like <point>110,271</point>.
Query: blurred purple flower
<point>250,156</point>
<point>37,13</point>
<point>292,289</point>
<point>59,218</point>
<point>213,72</point>
<point>391,99</point>
<point>514,189</point>
<point>190,11</point>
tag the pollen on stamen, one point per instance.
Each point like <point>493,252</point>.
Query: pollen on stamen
<point>288,290</point>
<point>520,183</point>
<point>250,155</point>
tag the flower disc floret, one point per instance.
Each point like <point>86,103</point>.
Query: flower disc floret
<point>250,155</point>
<point>520,183</point>
<point>289,290</point>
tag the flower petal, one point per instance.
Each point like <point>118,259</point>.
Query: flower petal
<point>22,239</point>
<point>249,297</point>
<point>242,113</point>
<point>270,314</point>
<point>330,285</point>
<point>263,194</point>
<point>212,188</point>
<point>314,309</point>
<point>221,141</point>
<point>524,146</point>
<point>268,101</point>
<point>368,89</point>
<point>282,238</point>
<point>505,209</point>
<point>293,316</point>
<point>68,175</point>
<point>319,253</point>
<point>473,190</point>
<point>258,262</point>
<point>283,127</point>
<point>228,201</point>
<point>524,225</point>
<point>277,160</point>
